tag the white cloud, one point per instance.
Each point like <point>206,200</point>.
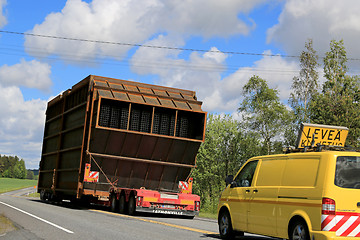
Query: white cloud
<point>133,21</point>
<point>203,73</point>
<point>277,71</point>
<point>31,74</point>
<point>321,20</point>
<point>21,125</point>
<point>207,18</point>
<point>21,121</point>
<point>3,20</point>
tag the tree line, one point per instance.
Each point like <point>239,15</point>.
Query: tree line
<point>267,124</point>
<point>13,167</point>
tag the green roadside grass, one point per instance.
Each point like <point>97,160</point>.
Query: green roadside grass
<point>207,215</point>
<point>11,184</point>
<point>5,225</point>
<point>34,195</point>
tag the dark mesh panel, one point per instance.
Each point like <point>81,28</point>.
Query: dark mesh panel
<point>104,118</point>
<point>145,124</point>
<point>156,124</point>
<point>115,117</point>
<point>183,127</point>
<point>164,124</point>
<point>135,120</point>
<point>172,125</point>
<point>124,118</point>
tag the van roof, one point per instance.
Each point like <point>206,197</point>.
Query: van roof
<point>313,153</point>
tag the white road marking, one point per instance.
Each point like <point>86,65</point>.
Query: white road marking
<point>43,220</point>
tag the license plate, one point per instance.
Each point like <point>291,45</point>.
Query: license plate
<point>168,206</point>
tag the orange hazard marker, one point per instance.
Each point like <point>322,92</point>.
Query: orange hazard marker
<point>90,176</point>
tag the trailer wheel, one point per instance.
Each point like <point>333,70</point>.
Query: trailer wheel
<point>122,204</point>
<point>42,195</point>
<point>114,203</point>
<point>131,205</point>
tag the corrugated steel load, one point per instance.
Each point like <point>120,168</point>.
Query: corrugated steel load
<point>136,135</point>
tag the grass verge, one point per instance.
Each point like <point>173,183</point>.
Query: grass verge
<point>34,195</point>
<point>11,184</point>
<point>5,225</point>
<point>208,215</point>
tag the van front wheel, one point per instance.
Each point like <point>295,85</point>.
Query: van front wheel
<point>225,227</point>
<point>299,231</point>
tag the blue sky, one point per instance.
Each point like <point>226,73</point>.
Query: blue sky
<point>223,36</point>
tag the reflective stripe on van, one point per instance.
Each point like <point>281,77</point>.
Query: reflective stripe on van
<point>343,223</point>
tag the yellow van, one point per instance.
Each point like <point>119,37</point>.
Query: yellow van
<point>310,195</point>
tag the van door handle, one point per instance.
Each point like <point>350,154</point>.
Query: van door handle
<point>255,190</point>
<point>247,190</point>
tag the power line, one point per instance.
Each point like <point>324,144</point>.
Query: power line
<point>143,63</point>
<point>149,46</point>
<point>158,47</point>
<point>41,53</point>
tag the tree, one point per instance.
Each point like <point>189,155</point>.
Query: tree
<point>335,67</point>
<point>305,86</point>
<point>30,174</point>
<point>12,167</point>
<point>2,166</point>
<point>225,149</point>
<point>19,170</point>
<point>263,112</point>
<point>338,103</point>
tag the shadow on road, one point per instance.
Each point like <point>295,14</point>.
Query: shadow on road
<point>87,206</point>
<point>246,237</point>
<point>80,206</point>
<point>63,204</point>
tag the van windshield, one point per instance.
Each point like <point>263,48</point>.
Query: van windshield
<point>347,174</point>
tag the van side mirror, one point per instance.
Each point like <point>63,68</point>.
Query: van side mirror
<point>229,179</point>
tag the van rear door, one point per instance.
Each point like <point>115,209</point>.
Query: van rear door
<point>346,196</point>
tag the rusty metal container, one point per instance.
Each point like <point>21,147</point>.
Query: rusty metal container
<point>135,135</point>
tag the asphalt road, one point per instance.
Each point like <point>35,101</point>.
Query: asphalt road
<point>33,219</point>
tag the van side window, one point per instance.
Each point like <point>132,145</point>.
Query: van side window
<point>347,174</point>
<point>245,176</point>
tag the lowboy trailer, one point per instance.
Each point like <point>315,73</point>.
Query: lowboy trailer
<point>127,145</point>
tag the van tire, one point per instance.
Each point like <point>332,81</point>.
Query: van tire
<point>299,231</point>
<point>225,227</point>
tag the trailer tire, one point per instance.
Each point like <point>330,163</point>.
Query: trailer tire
<point>113,203</point>
<point>42,195</point>
<point>131,205</point>
<point>122,204</point>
